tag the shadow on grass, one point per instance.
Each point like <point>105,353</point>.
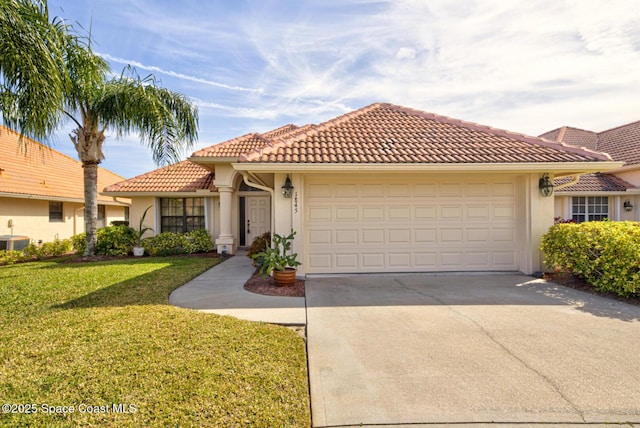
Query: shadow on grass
<point>150,288</point>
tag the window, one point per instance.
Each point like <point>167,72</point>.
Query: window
<point>181,215</point>
<point>126,214</point>
<point>101,216</point>
<point>589,208</point>
<point>55,212</point>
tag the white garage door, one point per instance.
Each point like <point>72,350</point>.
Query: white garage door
<point>409,224</point>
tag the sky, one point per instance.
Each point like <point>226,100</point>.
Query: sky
<point>252,66</point>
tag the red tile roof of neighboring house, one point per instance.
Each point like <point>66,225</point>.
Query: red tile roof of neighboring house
<point>621,143</point>
<point>31,169</point>
<point>595,183</point>
<point>574,136</point>
<point>183,176</point>
<point>386,133</point>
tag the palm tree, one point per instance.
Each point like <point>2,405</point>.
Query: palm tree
<point>32,74</point>
<point>165,121</point>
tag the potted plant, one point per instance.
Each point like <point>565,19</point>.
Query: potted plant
<point>138,250</point>
<point>276,261</point>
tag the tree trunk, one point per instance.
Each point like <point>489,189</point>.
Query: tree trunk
<point>88,144</point>
<point>91,206</point>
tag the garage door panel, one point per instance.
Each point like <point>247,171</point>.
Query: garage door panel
<point>348,236</point>
<point>399,213</point>
<point>373,236</point>
<point>430,225</point>
<point>425,212</point>
<point>346,214</point>
<point>372,213</point>
<point>399,260</point>
<point>399,236</point>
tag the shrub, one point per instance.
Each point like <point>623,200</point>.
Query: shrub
<point>9,257</point>
<point>115,240</point>
<point>166,244</point>
<point>34,252</point>
<point>199,241</point>
<point>259,245</point>
<point>79,242</point>
<point>605,254</point>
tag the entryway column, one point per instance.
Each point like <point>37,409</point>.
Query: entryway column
<point>225,242</point>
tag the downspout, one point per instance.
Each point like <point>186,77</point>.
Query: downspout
<point>245,177</point>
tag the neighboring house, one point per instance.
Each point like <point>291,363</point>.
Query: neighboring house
<point>381,189</point>
<point>614,195</point>
<point>42,193</point>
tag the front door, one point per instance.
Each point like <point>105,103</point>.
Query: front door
<point>257,216</point>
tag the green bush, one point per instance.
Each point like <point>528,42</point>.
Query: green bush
<point>259,245</point>
<point>79,242</point>
<point>165,244</point>
<point>34,252</point>
<point>170,243</point>
<point>115,240</point>
<point>199,241</point>
<point>9,257</point>
<point>605,254</point>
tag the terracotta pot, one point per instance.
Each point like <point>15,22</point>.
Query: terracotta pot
<point>284,278</point>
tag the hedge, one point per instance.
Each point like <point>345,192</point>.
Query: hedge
<point>35,252</point>
<point>169,243</point>
<point>605,254</point>
<point>119,241</point>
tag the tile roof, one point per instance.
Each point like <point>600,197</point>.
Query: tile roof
<point>183,176</point>
<point>595,183</point>
<point>574,136</point>
<point>621,143</point>
<point>386,133</point>
<point>31,168</point>
<point>239,146</point>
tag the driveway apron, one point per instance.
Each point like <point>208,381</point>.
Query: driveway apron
<point>468,349</point>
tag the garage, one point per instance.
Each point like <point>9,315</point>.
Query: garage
<point>356,223</point>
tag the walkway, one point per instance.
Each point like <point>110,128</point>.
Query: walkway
<point>220,291</point>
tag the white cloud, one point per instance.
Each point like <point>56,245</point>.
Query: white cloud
<point>195,79</point>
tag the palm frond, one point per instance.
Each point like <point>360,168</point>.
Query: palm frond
<point>166,121</point>
<point>31,78</point>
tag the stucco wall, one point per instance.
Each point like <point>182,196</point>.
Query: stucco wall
<point>31,218</point>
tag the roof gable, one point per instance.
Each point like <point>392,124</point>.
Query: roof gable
<point>386,133</point>
<point>621,143</point>
<point>31,168</point>
<point>183,176</point>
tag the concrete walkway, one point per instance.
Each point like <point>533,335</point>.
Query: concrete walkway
<point>220,290</point>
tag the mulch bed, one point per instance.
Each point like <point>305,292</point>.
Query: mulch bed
<point>568,280</point>
<point>261,285</point>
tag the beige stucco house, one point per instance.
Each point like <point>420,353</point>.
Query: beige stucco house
<point>614,195</point>
<point>381,189</point>
<point>41,191</point>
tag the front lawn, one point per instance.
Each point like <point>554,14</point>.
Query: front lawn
<point>97,344</point>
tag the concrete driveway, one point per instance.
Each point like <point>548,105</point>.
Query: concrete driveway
<point>468,349</point>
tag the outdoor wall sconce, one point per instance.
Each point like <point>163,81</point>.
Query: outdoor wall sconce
<point>628,206</point>
<point>545,185</point>
<point>287,188</point>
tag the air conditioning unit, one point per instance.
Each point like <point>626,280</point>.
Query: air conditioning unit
<point>10,242</point>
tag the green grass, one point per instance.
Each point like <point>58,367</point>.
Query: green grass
<point>103,333</point>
